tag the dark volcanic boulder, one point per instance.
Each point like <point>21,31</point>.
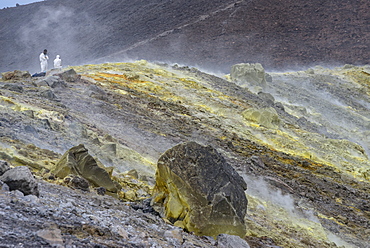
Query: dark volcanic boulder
<point>78,161</point>
<point>197,190</point>
<point>20,178</point>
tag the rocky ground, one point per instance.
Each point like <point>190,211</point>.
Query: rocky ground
<point>212,35</point>
<point>307,185</point>
<point>66,217</point>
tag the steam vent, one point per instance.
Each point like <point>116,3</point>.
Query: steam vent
<point>145,154</point>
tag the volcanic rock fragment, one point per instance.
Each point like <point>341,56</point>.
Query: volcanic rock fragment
<point>3,187</point>
<point>52,235</point>
<point>226,241</point>
<point>77,182</point>
<point>78,161</point>
<point>267,117</point>
<point>11,75</point>
<point>20,178</point>
<point>246,73</point>
<point>69,76</point>
<point>3,167</point>
<point>197,190</point>
<point>55,82</point>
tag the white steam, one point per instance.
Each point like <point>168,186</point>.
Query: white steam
<point>49,27</point>
<point>299,212</point>
<point>59,30</point>
<point>259,188</point>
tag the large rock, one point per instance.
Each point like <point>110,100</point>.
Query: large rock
<point>78,161</point>
<point>69,76</point>
<point>197,190</point>
<point>55,82</point>
<point>248,74</point>
<point>20,178</point>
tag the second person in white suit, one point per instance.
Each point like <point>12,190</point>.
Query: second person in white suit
<point>57,62</point>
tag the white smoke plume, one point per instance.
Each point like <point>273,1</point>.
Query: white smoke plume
<point>59,31</point>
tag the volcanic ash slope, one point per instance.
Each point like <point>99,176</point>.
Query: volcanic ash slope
<point>299,141</point>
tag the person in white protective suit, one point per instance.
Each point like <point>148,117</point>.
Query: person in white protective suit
<point>44,61</point>
<point>57,62</point>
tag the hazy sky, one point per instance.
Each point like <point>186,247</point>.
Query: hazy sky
<point>12,3</point>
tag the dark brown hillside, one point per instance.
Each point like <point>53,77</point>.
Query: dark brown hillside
<point>84,30</point>
<point>211,34</point>
<point>281,35</point>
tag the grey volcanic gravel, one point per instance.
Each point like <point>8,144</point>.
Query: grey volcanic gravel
<point>64,217</point>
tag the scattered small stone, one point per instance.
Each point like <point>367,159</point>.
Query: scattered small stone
<point>145,207</point>
<point>4,166</point>
<point>4,187</point>
<point>121,231</point>
<point>133,173</point>
<point>49,176</point>
<point>77,182</point>
<point>174,235</point>
<point>101,191</point>
<point>20,178</point>
<point>32,199</point>
<point>130,195</point>
<point>52,235</point>
<point>231,241</point>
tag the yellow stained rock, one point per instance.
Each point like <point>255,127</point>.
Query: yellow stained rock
<point>266,117</point>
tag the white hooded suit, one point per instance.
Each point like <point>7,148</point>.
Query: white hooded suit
<point>57,62</point>
<point>44,62</point>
